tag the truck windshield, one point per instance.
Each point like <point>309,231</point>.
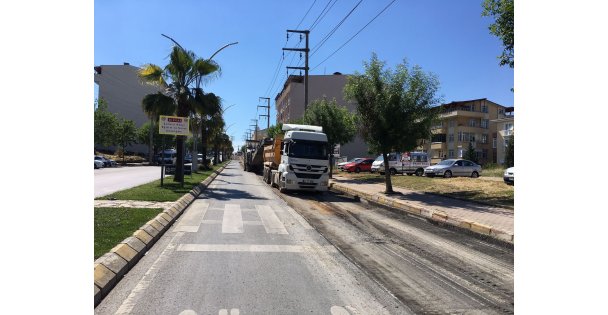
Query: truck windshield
<point>308,150</point>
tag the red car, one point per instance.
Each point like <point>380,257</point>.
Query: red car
<point>362,165</point>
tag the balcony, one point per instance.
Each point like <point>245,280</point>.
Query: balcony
<point>437,146</point>
<point>463,113</point>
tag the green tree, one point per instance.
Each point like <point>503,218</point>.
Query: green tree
<point>208,106</point>
<point>510,152</point>
<point>126,134</point>
<point>105,124</point>
<point>275,130</point>
<point>471,154</point>
<point>337,122</point>
<point>182,76</point>
<point>158,140</point>
<point>396,108</point>
<point>155,105</point>
<point>502,12</point>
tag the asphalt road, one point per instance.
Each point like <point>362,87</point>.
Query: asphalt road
<point>240,249</point>
<point>113,179</point>
<point>431,269</point>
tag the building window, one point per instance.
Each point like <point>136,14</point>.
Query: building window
<point>484,153</point>
<point>508,129</point>
<point>472,137</point>
<point>484,123</point>
<point>501,111</point>
<point>484,138</point>
<point>451,137</point>
<point>472,122</point>
<point>451,123</point>
<point>450,153</point>
<point>494,143</point>
<point>484,108</point>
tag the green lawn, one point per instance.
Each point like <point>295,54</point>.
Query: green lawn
<point>171,191</point>
<point>474,189</point>
<point>112,225</point>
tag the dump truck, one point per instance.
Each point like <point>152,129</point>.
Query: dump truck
<point>297,160</point>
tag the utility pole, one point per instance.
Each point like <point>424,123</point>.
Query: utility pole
<point>305,68</point>
<point>267,111</point>
<point>255,131</point>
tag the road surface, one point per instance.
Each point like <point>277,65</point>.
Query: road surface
<point>113,179</point>
<point>240,249</point>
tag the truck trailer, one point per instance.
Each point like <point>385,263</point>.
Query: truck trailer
<point>297,160</point>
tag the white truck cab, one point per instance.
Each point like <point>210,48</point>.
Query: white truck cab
<point>304,163</point>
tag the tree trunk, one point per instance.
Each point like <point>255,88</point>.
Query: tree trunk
<point>204,146</point>
<point>151,145</point>
<point>179,142</point>
<point>387,174</point>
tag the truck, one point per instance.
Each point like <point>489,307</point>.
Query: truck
<point>297,160</point>
<point>409,163</point>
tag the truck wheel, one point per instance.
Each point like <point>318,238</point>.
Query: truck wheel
<point>419,172</point>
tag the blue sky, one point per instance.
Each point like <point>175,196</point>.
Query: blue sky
<point>448,38</point>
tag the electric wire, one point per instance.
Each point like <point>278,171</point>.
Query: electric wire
<point>368,23</point>
<point>324,40</point>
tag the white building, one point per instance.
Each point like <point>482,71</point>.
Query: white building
<point>121,88</point>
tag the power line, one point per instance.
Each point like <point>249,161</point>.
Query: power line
<point>368,23</point>
<point>322,42</point>
<point>302,20</point>
<point>320,14</point>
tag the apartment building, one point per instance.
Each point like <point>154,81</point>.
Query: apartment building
<point>121,88</point>
<point>473,121</point>
<point>290,104</point>
<point>505,128</point>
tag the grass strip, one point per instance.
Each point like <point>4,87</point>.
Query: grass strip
<point>112,225</point>
<point>170,191</point>
<point>490,192</point>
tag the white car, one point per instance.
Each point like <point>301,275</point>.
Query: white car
<point>509,175</point>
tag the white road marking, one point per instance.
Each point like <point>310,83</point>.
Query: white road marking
<point>188,312</point>
<point>254,248</point>
<point>191,220</point>
<point>233,219</point>
<point>127,305</point>
<point>271,222</point>
<point>244,222</point>
<point>235,311</point>
<point>298,218</point>
<point>338,310</point>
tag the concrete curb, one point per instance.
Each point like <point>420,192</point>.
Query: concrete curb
<point>433,215</point>
<point>109,268</point>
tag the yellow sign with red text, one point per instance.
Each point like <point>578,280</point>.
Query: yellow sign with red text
<point>173,125</point>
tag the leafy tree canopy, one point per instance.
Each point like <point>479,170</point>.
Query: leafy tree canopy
<point>502,12</point>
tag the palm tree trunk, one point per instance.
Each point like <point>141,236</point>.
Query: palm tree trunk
<point>151,145</point>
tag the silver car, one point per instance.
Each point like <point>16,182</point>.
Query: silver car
<point>453,167</point>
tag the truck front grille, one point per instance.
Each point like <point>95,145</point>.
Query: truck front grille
<point>305,175</point>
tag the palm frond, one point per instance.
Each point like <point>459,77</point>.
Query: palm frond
<point>152,73</point>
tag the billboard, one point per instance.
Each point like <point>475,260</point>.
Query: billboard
<point>173,125</point>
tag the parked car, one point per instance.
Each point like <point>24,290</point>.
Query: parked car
<point>167,157</point>
<point>453,167</point>
<point>364,165</point>
<point>402,163</point>
<point>98,163</point>
<point>341,164</point>
<point>188,158</point>
<point>106,162</point>
<point>509,175</point>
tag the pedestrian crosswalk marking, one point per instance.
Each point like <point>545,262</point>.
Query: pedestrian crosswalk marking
<point>271,222</point>
<point>233,219</point>
<point>192,218</point>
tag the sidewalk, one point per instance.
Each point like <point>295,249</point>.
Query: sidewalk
<point>483,219</point>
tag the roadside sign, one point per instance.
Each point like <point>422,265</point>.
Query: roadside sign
<point>173,125</point>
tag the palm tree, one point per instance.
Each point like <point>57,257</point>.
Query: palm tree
<point>182,77</point>
<point>207,105</point>
<point>155,105</point>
